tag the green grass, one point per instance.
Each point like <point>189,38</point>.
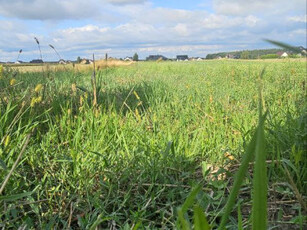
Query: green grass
<point>133,160</point>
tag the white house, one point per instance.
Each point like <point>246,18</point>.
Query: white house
<point>284,55</point>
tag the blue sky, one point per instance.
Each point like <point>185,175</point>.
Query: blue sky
<point>123,27</point>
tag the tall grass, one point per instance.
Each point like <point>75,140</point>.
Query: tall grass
<point>135,158</point>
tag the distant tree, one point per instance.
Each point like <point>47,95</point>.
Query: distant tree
<point>78,59</point>
<point>135,57</point>
<point>245,55</point>
<point>210,56</point>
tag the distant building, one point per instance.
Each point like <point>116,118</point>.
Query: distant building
<point>284,55</point>
<point>62,61</point>
<point>37,61</point>
<point>303,50</point>
<point>18,62</point>
<point>86,61</point>
<point>128,59</point>
<point>230,56</point>
<point>182,57</point>
<point>156,57</point>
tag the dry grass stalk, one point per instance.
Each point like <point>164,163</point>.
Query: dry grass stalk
<point>94,83</point>
<point>15,164</point>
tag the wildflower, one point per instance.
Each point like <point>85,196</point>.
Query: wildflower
<point>13,81</point>
<point>39,99</point>
<point>7,140</point>
<point>69,111</point>
<point>38,88</point>
<point>35,100</point>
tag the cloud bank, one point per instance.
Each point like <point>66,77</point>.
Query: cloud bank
<point>122,27</point>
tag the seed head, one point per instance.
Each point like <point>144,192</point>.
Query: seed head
<point>36,40</point>
<point>12,81</point>
<point>38,88</point>
<point>7,140</point>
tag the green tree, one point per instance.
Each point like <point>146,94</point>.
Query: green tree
<point>245,55</point>
<point>78,59</point>
<point>135,57</point>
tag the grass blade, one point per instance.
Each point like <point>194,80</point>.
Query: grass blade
<point>285,46</point>
<point>259,209</point>
<point>238,180</point>
<point>15,164</point>
<point>240,221</point>
<point>182,222</point>
<point>200,220</point>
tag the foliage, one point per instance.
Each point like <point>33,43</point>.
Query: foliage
<point>269,56</point>
<point>135,57</point>
<point>247,54</point>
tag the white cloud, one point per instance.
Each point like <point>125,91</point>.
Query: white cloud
<point>302,18</point>
<point>263,7</point>
<point>48,10</point>
<point>125,2</point>
<point>142,27</point>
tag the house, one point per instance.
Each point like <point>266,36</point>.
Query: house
<point>182,57</point>
<point>284,55</point>
<point>128,59</point>
<point>230,56</point>
<point>37,61</point>
<point>303,50</point>
<point>156,58</point>
<point>61,61</point>
<point>18,62</point>
<point>86,61</point>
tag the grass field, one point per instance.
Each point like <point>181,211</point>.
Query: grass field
<point>159,129</point>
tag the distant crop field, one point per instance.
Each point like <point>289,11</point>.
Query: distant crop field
<point>45,67</point>
<point>158,129</point>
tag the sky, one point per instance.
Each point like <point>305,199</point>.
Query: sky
<point>124,27</point>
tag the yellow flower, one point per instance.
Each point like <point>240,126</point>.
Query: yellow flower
<point>38,88</point>
<point>39,99</point>
<point>7,140</point>
<point>13,81</point>
<point>69,111</point>
<point>35,100</point>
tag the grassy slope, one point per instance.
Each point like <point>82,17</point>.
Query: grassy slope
<point>136,157</point>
